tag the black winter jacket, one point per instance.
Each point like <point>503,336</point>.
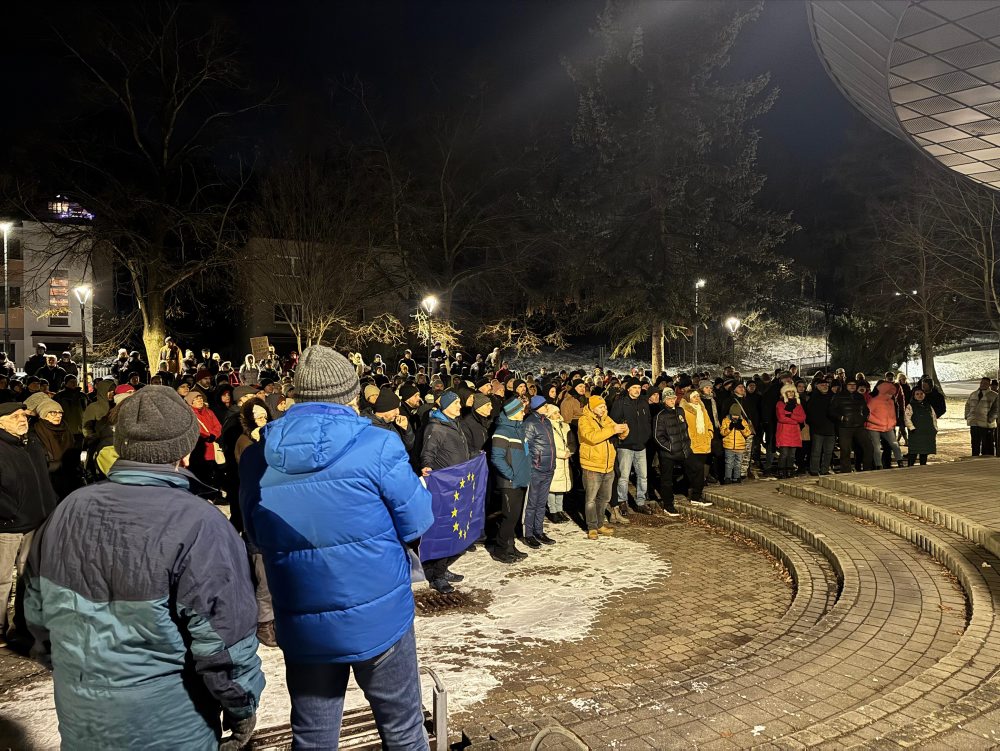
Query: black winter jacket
<point>671,433</point>
<point>818,414</point>
<point>849,410</point>
<point>444,443</point>
<point>26,494</point>
<point>406,436</point>
<point>635,414</point>
<point>477,430</point>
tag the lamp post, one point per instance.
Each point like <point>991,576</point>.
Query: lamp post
<point>733,324</point>
<point>83,293</point>
<point>5,226</point>
<point>429,304</point>
<point>697,286</point>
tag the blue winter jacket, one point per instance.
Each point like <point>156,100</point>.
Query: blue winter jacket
<point>144,591</point>
<point>337,501</point>
<point>509,454</point>
<point>541,444</point>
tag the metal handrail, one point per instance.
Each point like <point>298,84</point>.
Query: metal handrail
<point>439,709</point>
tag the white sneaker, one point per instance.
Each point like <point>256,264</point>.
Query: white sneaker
<point>701,503</point>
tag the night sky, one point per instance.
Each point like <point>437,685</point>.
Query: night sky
<point>413,56</point>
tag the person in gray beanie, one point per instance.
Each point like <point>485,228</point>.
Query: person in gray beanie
<point>140,580</point>
<point>331,501</point>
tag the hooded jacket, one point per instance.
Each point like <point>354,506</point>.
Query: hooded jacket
<point>701,443</point>
<point>509,454</point>
<point>144,591</point>
<point>566,445</point>
<point>882,409</point>
<point>790,417</point>
<point>338,499</point>
<point>597,452</point>
<point>98,409</point>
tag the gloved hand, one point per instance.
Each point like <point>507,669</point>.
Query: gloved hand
<point>211,438</point>
<point>241,730</point>
<point>790,405</point>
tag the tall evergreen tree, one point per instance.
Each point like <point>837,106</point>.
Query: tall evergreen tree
<point>659,189</point>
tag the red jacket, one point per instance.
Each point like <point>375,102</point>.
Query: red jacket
<point>208,424</point>
<point>789,430</point>
<point>883,409</point>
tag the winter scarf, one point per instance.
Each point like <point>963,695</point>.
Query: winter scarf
<point>55,439</point>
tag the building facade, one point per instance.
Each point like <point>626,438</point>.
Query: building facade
<point>928,72</point>
<point>41,274</point>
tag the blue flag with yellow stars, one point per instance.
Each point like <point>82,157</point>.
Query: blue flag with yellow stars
<point>458,495</point>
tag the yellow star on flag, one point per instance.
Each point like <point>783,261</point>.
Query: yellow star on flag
<point>472,476</point>
<point>461,484</point>
<point>456,495</point>
<point>455,527</point>
<point>454,512</point>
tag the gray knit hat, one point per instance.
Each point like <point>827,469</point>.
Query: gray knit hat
<point>155,426</point>
<point>325,375</point>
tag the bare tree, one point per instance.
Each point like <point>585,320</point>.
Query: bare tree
<point>164,84</point>
<point>315,250</point>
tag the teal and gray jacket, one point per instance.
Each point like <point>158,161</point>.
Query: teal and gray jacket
<point>144,592</point>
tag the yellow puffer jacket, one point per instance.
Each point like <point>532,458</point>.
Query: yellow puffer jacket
<point>735,440</point>
<point>701,443</point>
<point>596,452</point>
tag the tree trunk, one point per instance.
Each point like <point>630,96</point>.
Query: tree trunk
<point>658,364</point>
<point>927,349</point>
<point>154,326</point>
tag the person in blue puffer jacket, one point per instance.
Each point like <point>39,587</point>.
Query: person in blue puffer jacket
<point>509,457</point>
<point>338,503</point>
<point>541,445</point>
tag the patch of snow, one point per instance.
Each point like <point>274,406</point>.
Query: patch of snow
<point>757,730</point>
<point>553,596</point>
<point>958,366</point>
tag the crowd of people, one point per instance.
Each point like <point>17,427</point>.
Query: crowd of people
<point>319,459</point>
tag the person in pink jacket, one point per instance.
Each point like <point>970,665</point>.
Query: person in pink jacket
<point>881,424</point>
<point>788,435</point>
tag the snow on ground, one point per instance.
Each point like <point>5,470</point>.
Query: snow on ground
<point>777,353</point>
<point>959,366</point>
<point>554,596</point>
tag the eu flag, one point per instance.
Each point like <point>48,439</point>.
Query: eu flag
<point>458,495</point>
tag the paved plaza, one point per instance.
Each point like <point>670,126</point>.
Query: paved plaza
<point>838,612</point>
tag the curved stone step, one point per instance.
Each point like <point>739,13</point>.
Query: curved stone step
<point>962,686</point>
<point>829,667</point>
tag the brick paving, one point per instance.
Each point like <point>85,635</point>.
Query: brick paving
<point>852,611</point>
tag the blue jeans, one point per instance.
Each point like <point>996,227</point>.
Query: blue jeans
<point>390,682</point>
<point>534,506</point>
<point>734,465</point>
<point>890,437</point>
<point>626,461</point>
<point>822,453</point>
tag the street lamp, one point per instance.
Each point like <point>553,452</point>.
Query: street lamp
<point>83,293</point>
<point>6,226</point>
<point>733,324</point>
<point>429,304</point>
<point>697,286</point>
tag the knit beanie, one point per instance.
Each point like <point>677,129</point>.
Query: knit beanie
<point>480,400</point>
<point>668,393</point>
<point>447,399</point>
<point>32,402</point>
<point>537,401</point>
<point>155,427</point>
<point>325,375</point>
<point>192,395</point>
<point>735,410</point>
<point>513,407</point>
<point>386,401</point>
<point>407,390</point>
<point>595,401</point>
<point>370,393</point>
<point>48,406</point>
